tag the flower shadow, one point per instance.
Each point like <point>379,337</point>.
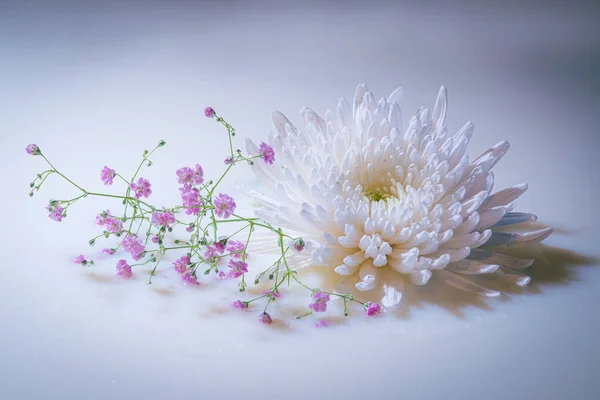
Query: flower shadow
<point>552,266</point>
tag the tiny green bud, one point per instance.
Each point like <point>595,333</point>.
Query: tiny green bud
<point>31,184</point>
<point>271,276</point>
<point>177,241</point>
<point>92,242</point>
<point>256,281</point>
<point>161,143</point>
<point>170,229</point>
<point>30,194</point>
<point>145,153</point>
<point>149,163</point>
<point>206,272</point>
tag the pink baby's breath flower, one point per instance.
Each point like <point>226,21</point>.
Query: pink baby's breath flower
<point>110,252</point>
<point>107,175</point>
<point>228,160</point>
<point>163,218</point>
<point>319,303</point>
<point>185,175</point>
<point>235,248</point>
<point>191,199</point>
<point>299,245</point>
<point>113,225</point>
<point>155,239</point>
<point>272,293</point>
<point>222,275</point>
<point>33,149</point>
<point>56,213</point>
<point>322,323</point>
<point>213,252</point>
<point>190,279</point>
<point>239,305</point>
<point>224,205</point>
<point>265,318</point>
<point>79,259</point>
<point>189,228</point>
<point>372,309</point>
<point>101,218</point>
<point>267,153</point>
<point>209,112</point>
<point>141,188</point>
<point>198,175</point>
<point>133,245</point>
<point>123,269</point>
<point>181,264</point>
<point>219,246</point>
<point>237,268</point>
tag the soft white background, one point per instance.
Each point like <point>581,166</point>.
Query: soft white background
<point>94,83</point>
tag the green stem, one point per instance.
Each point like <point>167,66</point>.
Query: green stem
<point>60,173</point>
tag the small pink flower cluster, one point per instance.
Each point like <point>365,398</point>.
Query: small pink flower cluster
<point>163,218</point>
<point>319,303</point>
<point>190,195</point>
<point>187,175</point>
<point>237,268</point>
<point>56,212</point>
<point>141,188</point>
<point>81,259</point>
<point>196,200</point>
<point>267,153</point>
<point>111,223</point>
<point>133,245</point>
<point>236,251</point>
<point>107,175</point>
<point>372,309</point>
<point>33,149</point>
<point>183,266</point>
<point>124,269</point>
<point>192,203</point>
<point>224,206</point>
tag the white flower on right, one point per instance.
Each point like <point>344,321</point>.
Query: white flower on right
<point>365,196</point>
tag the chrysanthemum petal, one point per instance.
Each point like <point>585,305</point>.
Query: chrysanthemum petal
<point>461,283</point>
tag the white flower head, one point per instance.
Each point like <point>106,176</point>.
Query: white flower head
<point>366,194</point>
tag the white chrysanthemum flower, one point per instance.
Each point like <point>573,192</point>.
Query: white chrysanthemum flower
<point>366,196</point>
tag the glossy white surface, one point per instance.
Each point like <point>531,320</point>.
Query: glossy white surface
<point>94,85</point>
